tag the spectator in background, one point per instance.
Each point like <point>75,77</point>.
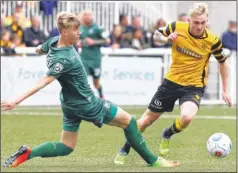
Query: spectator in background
<point>159,24</point>
<point>127,36</point>
<point>124,22</point>
<point>5,38</point>
<point>15,26</point>
<point>137,40</point>
<point>54,32</point>
<point>33,36</point>
<point>6,43</point>
<point>2,24</point>
<point>115,37</point>
<point>22,21</point>
<point>183,17</point>
<point>16,41</point>
<point>47,6</point>
<point>229,37</point>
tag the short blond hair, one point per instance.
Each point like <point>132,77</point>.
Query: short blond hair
<point>66,19</point>
<point>198,9</point>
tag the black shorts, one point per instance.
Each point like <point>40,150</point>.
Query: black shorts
<point>168,92</point>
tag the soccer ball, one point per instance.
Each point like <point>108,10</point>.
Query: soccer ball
<point>219,145</point>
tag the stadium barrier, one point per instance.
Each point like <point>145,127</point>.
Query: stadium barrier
<point>129,77</point>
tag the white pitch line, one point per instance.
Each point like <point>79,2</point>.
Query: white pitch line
<point>163,116</point>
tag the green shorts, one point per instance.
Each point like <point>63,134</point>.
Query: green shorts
<point>103,115</point>
<point>93,70</point>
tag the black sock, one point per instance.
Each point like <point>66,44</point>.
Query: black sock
<point>171,131</point>
<point>126,147</point>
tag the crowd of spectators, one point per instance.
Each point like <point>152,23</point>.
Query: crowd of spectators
<point>18,31</point>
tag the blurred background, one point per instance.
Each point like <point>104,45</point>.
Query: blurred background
<point>133,66</point>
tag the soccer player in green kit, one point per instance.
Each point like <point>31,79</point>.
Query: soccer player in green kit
<point>92,38</point>
<point>77,100</point>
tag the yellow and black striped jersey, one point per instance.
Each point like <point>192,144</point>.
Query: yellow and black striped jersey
<point>190,55</point>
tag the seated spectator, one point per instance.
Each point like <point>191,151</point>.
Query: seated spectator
<point>54,32</point>
<point>160,23</point>
<point>6,43</point>
<point>136,24</point>
<point>229,37</point>
<point>33,36</point>
<point>137,40</point>
<point>5,38</point>
<point>15,27</point>
<point>115,37</point>
<point>183,17</point>
<point>16,41</point>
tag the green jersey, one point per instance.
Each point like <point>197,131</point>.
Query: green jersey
<point>91,53</point>
<point>66,66</point>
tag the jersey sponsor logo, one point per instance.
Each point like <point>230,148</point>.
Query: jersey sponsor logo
<point>188,52</point>
<point>58,67</point>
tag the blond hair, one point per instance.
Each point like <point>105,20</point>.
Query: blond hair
<point>198,9</point>
<point>66,20</point>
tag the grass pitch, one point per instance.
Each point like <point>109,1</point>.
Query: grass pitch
<point>97,148</point>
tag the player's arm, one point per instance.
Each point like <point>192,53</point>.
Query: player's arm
<point>39,50</point>
<point>44,48</point>
<point>221,55</point>
<point>8,105</point>
<point>166,34</point>
<point>103,38</point>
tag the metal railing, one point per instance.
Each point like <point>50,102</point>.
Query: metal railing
<point>106,13</point>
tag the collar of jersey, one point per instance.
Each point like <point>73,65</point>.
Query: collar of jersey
<point>52,46</point>
<point>205,35</point>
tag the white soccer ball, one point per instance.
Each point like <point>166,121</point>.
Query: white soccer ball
<point>219,145</point>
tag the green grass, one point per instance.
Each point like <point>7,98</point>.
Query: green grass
<point>97,148</point>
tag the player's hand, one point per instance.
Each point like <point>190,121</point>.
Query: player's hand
<point>6,105</point>
<point>172,37</point>
<point>226,98</point>
<point>89,41</point>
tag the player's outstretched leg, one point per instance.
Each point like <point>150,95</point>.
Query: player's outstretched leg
<point>188,111</point>
<point>145,121</point>
<point>137,142</point>
<point>19,157</point>
<point>48,149</point>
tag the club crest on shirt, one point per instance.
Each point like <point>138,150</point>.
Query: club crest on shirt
<point>58,67</point>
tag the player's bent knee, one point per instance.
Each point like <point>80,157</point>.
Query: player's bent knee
<point>186,119</point>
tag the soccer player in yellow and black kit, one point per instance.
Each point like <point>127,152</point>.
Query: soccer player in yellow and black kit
<point>192,46</point>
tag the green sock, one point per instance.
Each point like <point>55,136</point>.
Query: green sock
<point>137,142</point>
<point>50,149</point>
